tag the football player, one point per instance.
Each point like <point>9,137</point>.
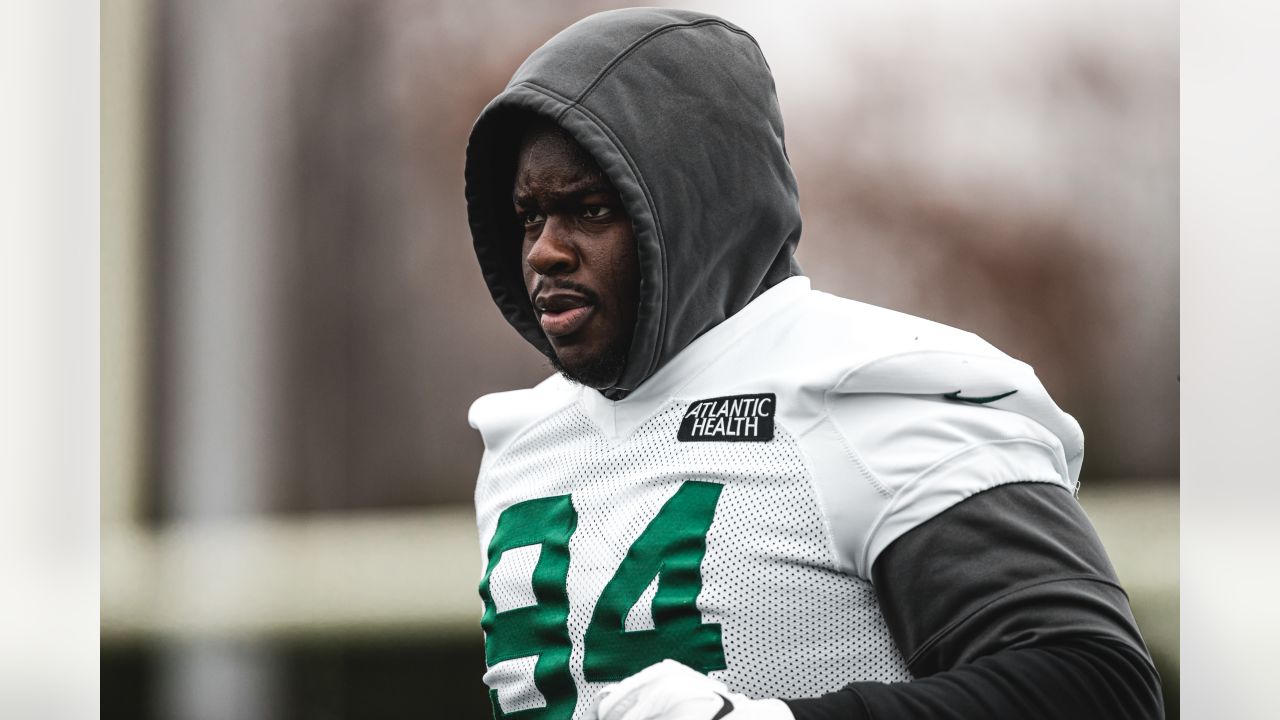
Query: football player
<point>741,497</point>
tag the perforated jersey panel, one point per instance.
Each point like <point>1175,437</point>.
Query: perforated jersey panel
<point>512,578</point>
<point>792,625</point>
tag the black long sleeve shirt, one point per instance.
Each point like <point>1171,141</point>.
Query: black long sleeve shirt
<point>1004,606</point>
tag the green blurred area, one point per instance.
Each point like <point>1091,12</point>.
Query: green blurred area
<point>378,679</point>
<point>323,679</point>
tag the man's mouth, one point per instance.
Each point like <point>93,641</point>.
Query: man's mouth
<point>562,314</point>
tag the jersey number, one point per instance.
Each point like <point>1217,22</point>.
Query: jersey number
<point>670,549</point>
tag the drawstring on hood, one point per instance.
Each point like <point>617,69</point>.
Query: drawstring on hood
<point>679,111</point>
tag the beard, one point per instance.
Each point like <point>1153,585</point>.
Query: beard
<point>601,371</point>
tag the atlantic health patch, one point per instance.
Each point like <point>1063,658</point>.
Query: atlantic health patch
<point>736,418</point>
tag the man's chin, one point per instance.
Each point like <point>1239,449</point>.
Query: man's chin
<point>600,371</point>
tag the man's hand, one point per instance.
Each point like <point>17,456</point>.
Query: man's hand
<point>671,691</point>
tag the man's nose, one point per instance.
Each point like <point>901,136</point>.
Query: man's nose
<point>553,253</point>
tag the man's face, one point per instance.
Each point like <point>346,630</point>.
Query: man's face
<point>578,257</point>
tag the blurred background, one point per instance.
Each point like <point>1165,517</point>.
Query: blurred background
<point>293,324</point>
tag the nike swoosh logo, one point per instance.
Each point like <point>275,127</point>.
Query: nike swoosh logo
<point>977,400</point>
<point>725,709</point>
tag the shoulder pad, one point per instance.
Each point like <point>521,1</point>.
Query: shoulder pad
<point>501,416</point>
<point>848,347</point>
<point>990,380</point>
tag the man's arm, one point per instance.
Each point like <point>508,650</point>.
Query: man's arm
<point>1004,606</point>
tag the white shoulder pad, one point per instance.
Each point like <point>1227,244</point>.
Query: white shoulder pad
<point>916,416</point>
<point>993,381</point>
<point>501,416</point>
<point>877,351</point>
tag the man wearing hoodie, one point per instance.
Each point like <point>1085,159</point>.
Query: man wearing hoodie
<point>743,498</point>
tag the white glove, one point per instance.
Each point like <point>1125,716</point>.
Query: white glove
<point>671,691</point>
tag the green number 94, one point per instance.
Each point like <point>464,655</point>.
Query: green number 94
<point>670,548</point>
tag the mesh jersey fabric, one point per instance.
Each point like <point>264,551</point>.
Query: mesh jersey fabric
<point>866,446</point>
<point>791,622</point>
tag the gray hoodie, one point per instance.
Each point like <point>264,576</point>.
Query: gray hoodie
<point>679,110</point>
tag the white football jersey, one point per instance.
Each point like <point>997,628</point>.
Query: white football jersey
<point>727,513</point>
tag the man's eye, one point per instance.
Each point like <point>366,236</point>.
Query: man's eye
<point>596,212</point>
<point>532,218</point>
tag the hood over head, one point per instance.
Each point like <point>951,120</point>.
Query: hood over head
<point>679,110</point>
